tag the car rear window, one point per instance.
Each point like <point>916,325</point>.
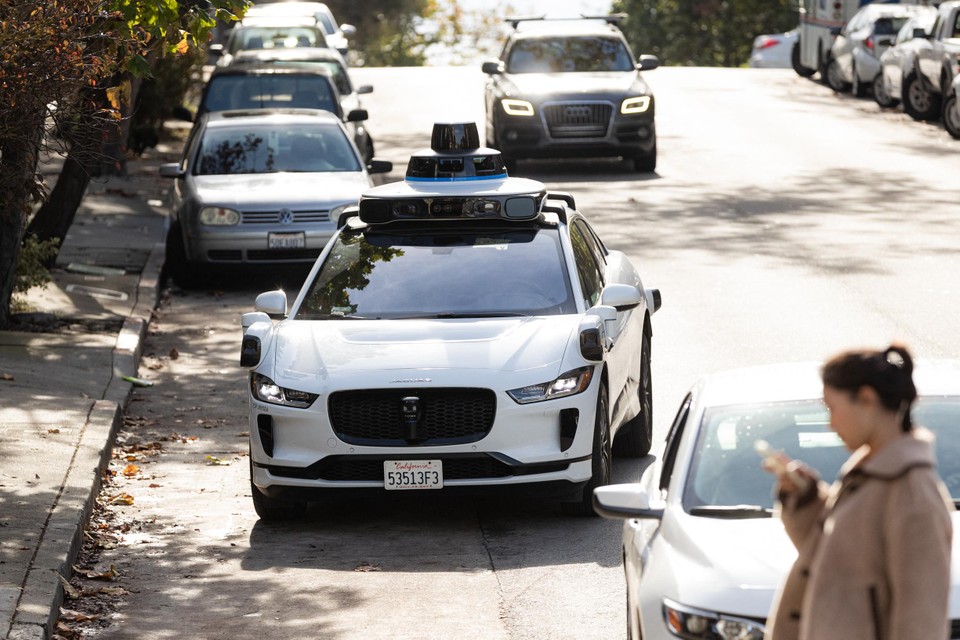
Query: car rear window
<point>889,26</point>
<point>467,273</point>
<point>269,90</point>
<point>275,38</point>
<point>568,54</point>
<point>275,148</point>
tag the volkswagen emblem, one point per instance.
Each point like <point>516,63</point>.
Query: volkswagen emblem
<point>285,216</point>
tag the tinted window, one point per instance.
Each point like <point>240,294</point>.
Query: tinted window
<point>589,272</point>
<point>566,54</point>
<point>888,26</point>
<point>468,273</point>
<point>269,149</point>
<point>268,90</point>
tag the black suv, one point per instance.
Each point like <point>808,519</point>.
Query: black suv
<point>570,88</point>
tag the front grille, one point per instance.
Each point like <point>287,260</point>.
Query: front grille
<point>578,119</point>
<point>273,217</point>
<point>225,255</point>
<point>374,417</point>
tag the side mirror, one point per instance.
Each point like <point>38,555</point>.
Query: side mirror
<point>171,170</point>
<point>215,49</point>
<point>272,303</point>
<point>348,30</point>
<point>624,501</point>
<point>182,113</point>
<point>364,89</point>
<point>492,67</point>
<point>654,300</point>
<point>920,33</point>
<point>621,297</point>
<point>648,63</point>
<point>379,166</point>
<point>357,115</point>
<point>247,319</point>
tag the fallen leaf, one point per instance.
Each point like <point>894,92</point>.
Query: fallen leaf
<point>131,470</point>
<point>154,485</point>
<point>108,574</point>
<point>6,377</point>
<point>68,589</point>
<point>214,461</point>
<point>120,498</point>
<point>366,567</point>
<point>76,616</point>
<point>53,430</point>
<point>113,591</point>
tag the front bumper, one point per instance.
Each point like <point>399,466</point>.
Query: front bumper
<point>241,245</point>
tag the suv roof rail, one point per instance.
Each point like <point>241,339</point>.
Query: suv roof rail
<point>515,20</point>
<point>610,18</point>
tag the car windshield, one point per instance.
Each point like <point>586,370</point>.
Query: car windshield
<point>569,54</point>
<point>448,274</point>
<point>276,38</point>
<point>726,471</point>
<point>273,148</point>
<point>269,90</point>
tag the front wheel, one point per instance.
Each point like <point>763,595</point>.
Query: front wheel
<point>880,93</point>
<point>918,101</point>
<point>601,460</point>
<point>635,437</point>
<point>834,77</point>
<point>273,509</point>
<point>951,116</point>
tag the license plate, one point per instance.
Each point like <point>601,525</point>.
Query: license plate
<point>286,240</point>
<point>412,474</point>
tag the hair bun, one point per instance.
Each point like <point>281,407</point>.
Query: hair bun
<point>897,355</point>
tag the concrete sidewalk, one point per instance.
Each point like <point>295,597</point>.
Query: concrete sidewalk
<point>62,391</point>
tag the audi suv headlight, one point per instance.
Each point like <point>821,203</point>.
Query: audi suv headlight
<point>695,624</point>
<point>638,104</point>
<point>568,384</point>
<point>517,107</point>
<point>219,216</point>
<point>265,389</point>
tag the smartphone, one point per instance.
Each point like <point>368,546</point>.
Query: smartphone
<point>769,454</point>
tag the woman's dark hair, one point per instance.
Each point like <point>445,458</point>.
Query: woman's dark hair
<point>888,372</point>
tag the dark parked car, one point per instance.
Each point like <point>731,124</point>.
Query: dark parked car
<point>570,88</point>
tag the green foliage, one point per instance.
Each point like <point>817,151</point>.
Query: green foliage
<point>703,32</point>
<point>387,30</point>
<point>32,261</point>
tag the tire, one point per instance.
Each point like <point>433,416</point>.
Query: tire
<point>858,88</point>
<point>274,510</point>
<point>951,116</point>
<point>918,102</point>
<point>802,71</point>
<point>881,95</point>
<point>646,161</point>
<point>184,273</point>
<point>833,78</point>
<point>600,460</point>
<point>635,437</point>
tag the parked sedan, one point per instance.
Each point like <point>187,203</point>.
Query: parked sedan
<point>270,33</point>
<point>774,50</point>
<point>328,60</point>
<point>951,109</point>
<point>900,59</point>
<point>703,550</point>
<point>854,59</point>
<point>463,331</point>
<point>263,186</point>
<point>337,36</point>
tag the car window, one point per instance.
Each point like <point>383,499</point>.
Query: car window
<point>888,26</point>
<point>268,90</point>
<point>568,54</point>
<point>470,272</point>
<point>673,441</point>
<point>589,271</point>
<point>270,149</point>
<point>940,415</point>
<point>726,470</point>
<point>593,243</point>
<point>275,38</point>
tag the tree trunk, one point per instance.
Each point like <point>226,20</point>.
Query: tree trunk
<point>18,190</point>
<point>54,218</point>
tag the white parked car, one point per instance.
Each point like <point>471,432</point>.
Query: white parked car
<point>337,35</point>
<point>951,109</point>
<point>773,50</point>
<point>463,330</point>
<point>703,551</point>
<point>900,60</point>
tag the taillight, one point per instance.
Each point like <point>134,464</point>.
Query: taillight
<point>767,42</point>
<point>868,42</point>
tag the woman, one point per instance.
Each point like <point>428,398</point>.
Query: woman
<point>874,548</point>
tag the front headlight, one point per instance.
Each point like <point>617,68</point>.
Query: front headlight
<point>219,216</point>
<point>265,389</point>
<point>568,384</point>
<point>696,624</point>
<point>635,105</point>
<point>336,211</point>
<point>517,107</point>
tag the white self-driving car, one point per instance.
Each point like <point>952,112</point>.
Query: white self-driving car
<point>703,550</point>
<point>463,330</point>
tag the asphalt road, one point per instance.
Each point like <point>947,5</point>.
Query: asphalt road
<point>783,223</point>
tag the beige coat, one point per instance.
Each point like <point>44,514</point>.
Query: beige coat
<point>873,552</point>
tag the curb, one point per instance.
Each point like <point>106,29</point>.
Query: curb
<point>39,605</point>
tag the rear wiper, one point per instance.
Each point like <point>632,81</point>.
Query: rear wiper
<point>732,511</point>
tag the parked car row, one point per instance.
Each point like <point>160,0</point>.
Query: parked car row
<point>277,151</point>
<point>901,54</point>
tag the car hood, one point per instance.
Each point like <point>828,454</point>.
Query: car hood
<point>736,566</point>
<point>308,354</point>
<point>281,189</point>
<point>554,86</point>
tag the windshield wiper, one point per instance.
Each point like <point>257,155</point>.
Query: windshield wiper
<point>732,511</point>
<point>486,314</point>
<point>331,316</point>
